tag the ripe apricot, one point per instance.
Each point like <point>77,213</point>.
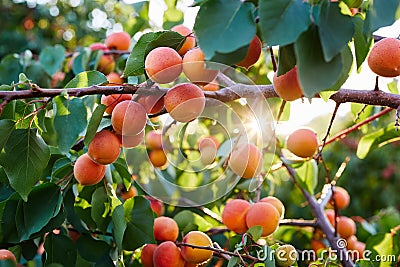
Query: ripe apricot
<point>351,242</point>
<point>346,227</point>
<point>211,86</point>
<point>154,139</point>
<point>163,65</point>
<point>184,102</point>
<point>317,245</point>
<point>112,100</point>
<point>190,40</point>
<point>195,69</point>
<point>146,256</point>
<point>195,255</point>
<point>384,57</point>
<point>157,157</point>
<point>130,193</point>
<point>167,254</point>
<point>128,118</point>
<point>234,215</point>
<point>88,172</point>
<point>330,214</point>
<point>341,197</point>
<point>208,147</point>
<point>253,54</point>
<point>285,255</point>
<point>106,63</point>
<point>302,142</point>
<point>287,86</point>
<point>165,229</point>
<point>118,41</point>
<point>152,103</point>
<point>156,205</point>
<point>246,160</point>
<point>276,203</point>
<point>114,78</point>
<point>130,141</point>
<point>104,148</point>
<point>265,215</point>
<point>208,141</point>
<point>6,255</point>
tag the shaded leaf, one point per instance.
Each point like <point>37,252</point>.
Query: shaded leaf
<point>6,128</point>
<point>94,250</point>
<point>119,225</point>
<point>52,58</point>
<point>307,175</point>
<point>381,13</point>
<point>60,249</point>
<point>100,209</point>
<point>10,68</point>
<point>287,59</point>
<point>362,40</point>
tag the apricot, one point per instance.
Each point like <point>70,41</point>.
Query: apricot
<point>246,160</point>
<point>253,54</point>
<point>317,245</point>
<point>360,247</point>
<point>106,63</point>
<point>195,255</point>
<point>157,157</point>
<point>112,100</point>
<point>104,148</point>
<point>330,214</point>
<point>285,255</point>
<point>165,229</point>
<point>88,172</point>
<point>154,103</point>
<point>346,227</point>
<point>154,139</point>
<point>156,205</point>
<point>163,65</point>
<point>384,57</point>
<point>351,242</point>
<point>276,203</point>
<point>208,141</point>
<point>184,102</point>
<point>146,256</point>
<point>341,197</point>
<point>287,86</point>
<point>130,193</point>
<point>302,142</point>
<point>167,254</point>
<point>234,215</point>
<point>114,78</point>
<point>128,118</point>
<point>212,86</point>
<point>118,41</point>
<point>264,215</point>
<point>6,255</point>
<point>130,141</point>
<point>190,40</point>
<point>195,69</point>
<point>208,147</point>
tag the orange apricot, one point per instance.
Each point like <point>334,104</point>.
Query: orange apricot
<point>130,141</point>
<point>114,78</point>
<point>6,255</point>
<point>154,103</point>
<point>341,197</point>
<point>165,229</point>
<point>190,40</point>
<point>253,54</point>
<point>157,157</point>
<point>154,139</point>
<point>163,65</point>
<point>128,118</point>
<point>384,57</point>
<point>276,203</point>
<point>106,63</point>
<point>211,86</point>
<point>317,245</point>
<point>130,193</point>
<point>118,41</point>
<point>195,69</point>
<point>351,242</point>
<point>156,205</point>
<point>234,215</point>
<point>246,160</point>
<point>104,148</point>
<point>112,100</point>
<point>88,172</point>
<point>346,227</point>
<point>302,142</point>
<point>264,215</point>
<point>167,254</point>
<point>195,255</point>
<point>146,256</point>
<point>287,86</point>
<point>330,214</point>
<point>184,102</point>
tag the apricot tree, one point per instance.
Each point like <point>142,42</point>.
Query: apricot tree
<point>160,147</point>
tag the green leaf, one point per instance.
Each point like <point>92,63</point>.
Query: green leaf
<point>52,58</point>
<point>282,22</point>
<point>228,58</point>
<point>363,263</point>
<point>383,246</point>
<point>347,62</point>
<point>100,209</point>
<point>233,261</point>
<point>255,232</point>
<point>187,218</point>
<point>119,225</point>
<point>335,29</point>
<point>26,156</point>
<point>10,68</point>
<point>61,168</point>
<point>94,250</point>
<point>8,226</point>
<point>6,128</point>
<point>307,175</point>
<point>139,230</point>
<point>146,43</point>
<point>94,123</point>
<point>69,121</point>
<point>362,40</point>
<point>392,86</point>
<point>86,79</point>
<point>287,59</point>
<point>310,61</point>
<point>122,168</point>
<point>376,139</point>
<point>36,72</point>
<point>224,26</point>
<point>381,13</point>
<point>60,249</point>
<point>80,61</point>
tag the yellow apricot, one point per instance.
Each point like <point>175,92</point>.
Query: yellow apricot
<point>157,157</point>
<point>287,86</point>
<point>246,160</point>
<point>302,142</point>
<point>104,148</point>
<point>163,65</point>
<point>118,41</point>
<point>264,215</point>
<point>276,203</point>
<point>195,255</point>
<point>285,255</point>
<point>165,229</point>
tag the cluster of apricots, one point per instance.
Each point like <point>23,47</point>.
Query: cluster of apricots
<point>239,215</point>
<point>302,142</point>
<point>345,226</point>
<point>167,253</point>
